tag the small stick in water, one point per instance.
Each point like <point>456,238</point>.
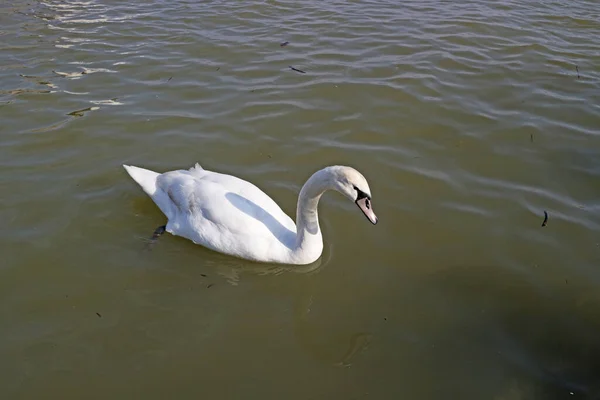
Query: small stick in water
<point>169,79</point>
<point>284,44</point>
<point>297,70</point>
<point>577,69</point>
<point>98,314</point>
<point>545,219</point>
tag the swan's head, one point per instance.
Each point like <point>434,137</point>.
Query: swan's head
<point>354,186</point>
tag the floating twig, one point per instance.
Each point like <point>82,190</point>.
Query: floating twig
<point>577,69</point>
<point>209,286</point>
<point>169,79</point>
<point>545,218</point>
<point>80,113</point>
<point>284,44</point>
<point>98,314</point>
<point>297,70</point>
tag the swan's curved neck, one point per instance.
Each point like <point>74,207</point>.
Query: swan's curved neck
<point>309,241</point>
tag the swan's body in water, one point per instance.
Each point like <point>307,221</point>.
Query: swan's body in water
<point>232,216</point>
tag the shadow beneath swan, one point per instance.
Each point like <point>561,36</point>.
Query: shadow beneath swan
<point>248,207</point>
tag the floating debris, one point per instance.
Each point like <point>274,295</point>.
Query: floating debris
<point>297,70</point>
<point>80,113</point>
<point>98,314</point>
<point>577,69</point>
<point>203,275</point>
<point>209,286</point>
<point>545,219</point>
<point>218,68</point>
<point>531,136</point>
<point>169,79</point>
<point>284,44</point>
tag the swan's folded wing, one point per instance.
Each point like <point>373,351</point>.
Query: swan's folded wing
<point>223,205</point>
<point>178,188</point>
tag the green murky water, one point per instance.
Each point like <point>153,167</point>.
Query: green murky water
<point>469,121</point>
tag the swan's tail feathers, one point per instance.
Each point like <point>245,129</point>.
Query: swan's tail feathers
<point>144,177</point>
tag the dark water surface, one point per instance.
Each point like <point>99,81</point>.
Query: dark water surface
<point>469,119</point>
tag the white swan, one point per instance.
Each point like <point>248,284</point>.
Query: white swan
<point>232,216</point>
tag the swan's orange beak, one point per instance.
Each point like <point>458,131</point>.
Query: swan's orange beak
<point>367,208</point>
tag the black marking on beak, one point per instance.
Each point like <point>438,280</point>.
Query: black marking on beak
<point>361,194</point>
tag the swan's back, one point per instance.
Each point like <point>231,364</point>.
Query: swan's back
<point>220,211</point>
